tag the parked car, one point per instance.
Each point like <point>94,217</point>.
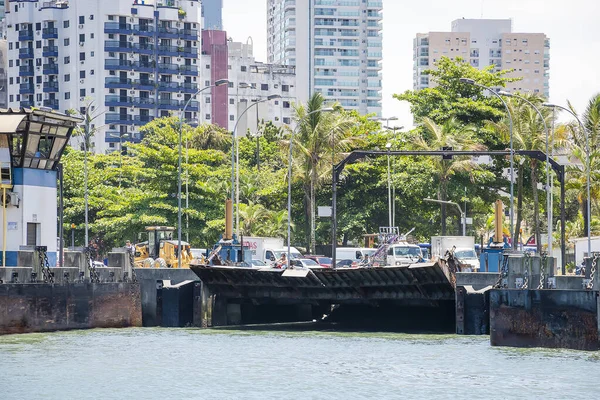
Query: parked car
<point>346,264</point>
<point>323,261</point>
<point>258,264</point>
<point>305,262</point>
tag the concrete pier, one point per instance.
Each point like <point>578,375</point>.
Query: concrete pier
<point>26,308</point>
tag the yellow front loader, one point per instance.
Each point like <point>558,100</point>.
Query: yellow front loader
<point>160,250</point>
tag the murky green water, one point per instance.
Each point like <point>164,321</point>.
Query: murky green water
<point>196,364</point>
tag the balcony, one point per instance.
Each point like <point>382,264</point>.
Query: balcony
<point>166,50</point>
<point>144,84</point>
<point>118,46</point>
<point>141,66</point>
<point>193,106</point>
<point>117,64</point>
<point>144,102</point>
<point>53,103</point>
<point>50,51</point>
<point>168,86</point>
<point>188,87</point>
<point>168,104</point>
<point>50,33</point>
<point>119,101</point>
<point>168,68</point>
<point>50,69</point>
<point>26,70</point>
<point>116,82</point>
<point>118,137</point>
<point>116,27</point>
<point>168,32</point>
<point>25,35</point>
<point>144,30</point>
<point>50,87</point>
<point>142,119</point>
<point>143,48</point>
<point>26,88</point>
<point>115,118</point>
<point>188,70</point>
<point>26,53</point>
<point>26,104</point>
<point>189,34</point>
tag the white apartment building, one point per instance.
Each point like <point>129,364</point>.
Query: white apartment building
<point>135,59</point>
<point>335,45</point>
<point>484,42</point>
<point>251,81</point>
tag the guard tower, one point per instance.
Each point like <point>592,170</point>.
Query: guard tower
<point>31,144</point>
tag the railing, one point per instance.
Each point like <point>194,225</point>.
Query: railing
<point>50,69</point>
<point>50,51</point>
<point>117,27</point>
<point>26,52</point>
<point>25,88</point>
<point>51,103</point>
<point>26,104</point>
<point>50,86</point>
<point>25,35</point>
<point>48,33</point>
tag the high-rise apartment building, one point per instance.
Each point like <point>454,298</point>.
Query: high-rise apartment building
<point>134,59</point>
<point>212,14</point>
<point>335,45</point>
<point>484,42</point>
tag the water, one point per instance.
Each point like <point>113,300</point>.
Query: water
<point>201,364</point>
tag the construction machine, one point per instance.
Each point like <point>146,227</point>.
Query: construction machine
<point>160,250</point>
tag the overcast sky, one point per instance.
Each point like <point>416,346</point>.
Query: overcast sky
<point>573,28</point>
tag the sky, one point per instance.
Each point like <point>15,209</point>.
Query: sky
<point>573,28</point>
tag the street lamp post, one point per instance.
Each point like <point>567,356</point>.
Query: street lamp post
<point>588,172</point>
<point>219,82</point>
<point>289,199</point>
<point>463,215</point>
<point>235,172</point>
<point>512,158</point>
<point>388,146</point>
<point>548,194</point>
<point>394,129</point>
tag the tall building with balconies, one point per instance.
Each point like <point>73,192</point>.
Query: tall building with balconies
<point>485,42</point>
<point>335,45</point>
<point>134,60</point>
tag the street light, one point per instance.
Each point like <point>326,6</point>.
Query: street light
<point>289,200</point>
<point>388,146</point>
<point>219,82</point>
<point>588,172</point>
<point>463,216</point>
<point>548,194</point>
<point>512,158</point>
<point>394,129</point>
<point>235,190</point>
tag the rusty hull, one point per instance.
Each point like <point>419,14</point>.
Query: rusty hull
<point>544,318</point>
<point>26,308</point>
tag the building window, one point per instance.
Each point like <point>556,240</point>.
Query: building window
<point>207,116</point>
<point>91,54</point>
<point>65,24</point>
<point>82,74</point>
<point>91,17</point>
<point>38,79</point>
<point>231,101</point>
<point>67,95</point>
<point>264,86</point>
<point>243,68</point>
<point>81,19</point>
<point>285,88</point>
<point>286,120</point>
<point>38,44</point>
<point>207,100</point>
<point>82,56</point>
<point>81,92</point>
<point>91,72</point>
<point>232,118</point>
<point>67,60</point>
<point>230,84</point>
<point>67,77</point>
<point>286,104</point>
<point>207,66</point>
<point>67,41</point>
<point>39,97</point>
<point>206,83</point>
<point>81,38</point>
<point>38,26</point>
<point>91,35</point>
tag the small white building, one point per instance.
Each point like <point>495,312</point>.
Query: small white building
<point>581,247</point>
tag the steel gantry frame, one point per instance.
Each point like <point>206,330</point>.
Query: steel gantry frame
<point>538,155</point>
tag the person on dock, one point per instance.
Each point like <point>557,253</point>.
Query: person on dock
<point>129,247</point>
<point>282,262</point>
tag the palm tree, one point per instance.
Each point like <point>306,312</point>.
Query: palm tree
<point>458,137</point>
<point>251,218</point>
<point>320,140</point>
<point>528,134</point>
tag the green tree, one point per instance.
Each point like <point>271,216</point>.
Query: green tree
<point>320,140</point>
<point>451,134</point>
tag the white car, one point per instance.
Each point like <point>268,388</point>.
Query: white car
<point>305,263</point>
<point>467,256</point>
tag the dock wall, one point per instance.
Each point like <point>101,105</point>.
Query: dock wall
<point>26,308</point>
